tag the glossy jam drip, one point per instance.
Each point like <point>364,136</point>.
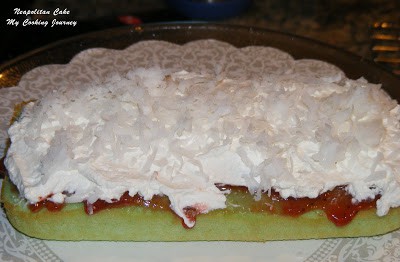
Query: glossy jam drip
<point>191,214</point>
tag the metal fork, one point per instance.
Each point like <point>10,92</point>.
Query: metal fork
<point>386,45</point>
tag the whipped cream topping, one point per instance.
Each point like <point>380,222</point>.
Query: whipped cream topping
<point>155,132</point>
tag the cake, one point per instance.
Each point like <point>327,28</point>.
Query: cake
<point>209,149</point>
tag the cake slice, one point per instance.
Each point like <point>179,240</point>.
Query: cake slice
<point>169,156</point>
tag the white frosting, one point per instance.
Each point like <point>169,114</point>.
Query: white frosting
<point>151,132</point>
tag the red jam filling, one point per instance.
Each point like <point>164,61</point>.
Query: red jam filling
<point>191,214</point>
<point>337,204</point>
<point>157,203</point>
<point>50,205</point>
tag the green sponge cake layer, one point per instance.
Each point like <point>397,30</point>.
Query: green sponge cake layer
<point>136,223</point>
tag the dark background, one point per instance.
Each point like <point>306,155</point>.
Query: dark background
<point>346,24</point>
<point>20,39</point>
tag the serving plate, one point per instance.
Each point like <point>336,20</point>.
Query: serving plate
<point>207,48</point>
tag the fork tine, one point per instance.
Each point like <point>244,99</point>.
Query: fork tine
<point>385,45</point>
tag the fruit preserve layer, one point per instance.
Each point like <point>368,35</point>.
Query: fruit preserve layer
<point>337,204</point>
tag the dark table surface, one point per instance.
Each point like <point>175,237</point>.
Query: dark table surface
<point>346,24</point>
